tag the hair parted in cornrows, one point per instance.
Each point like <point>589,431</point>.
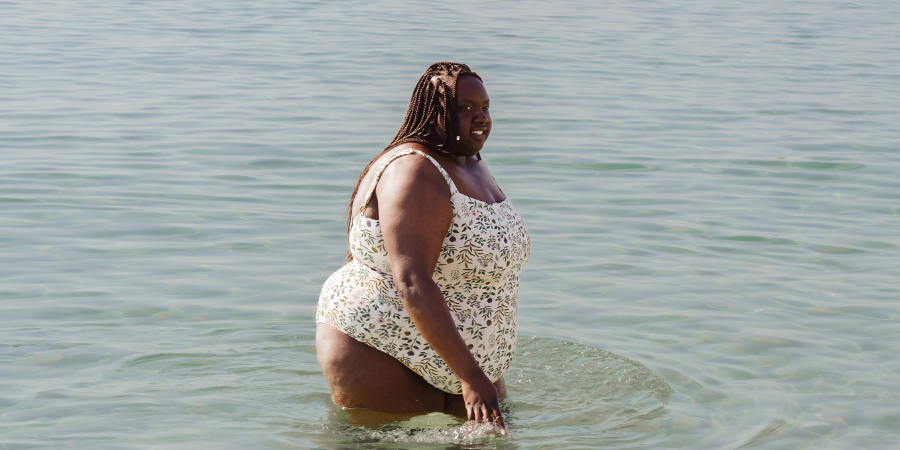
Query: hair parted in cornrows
<point>433,104</point>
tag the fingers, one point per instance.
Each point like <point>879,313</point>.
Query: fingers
<point>478,413</point>
<point>498,419</point>
<point>482,404</point>
<point>481,413</point>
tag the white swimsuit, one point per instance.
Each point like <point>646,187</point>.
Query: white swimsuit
<point>478,272</point>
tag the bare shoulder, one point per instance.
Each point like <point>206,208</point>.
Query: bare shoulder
<point>391,171</point>
<point>412,175</point>
<point>415,212</point>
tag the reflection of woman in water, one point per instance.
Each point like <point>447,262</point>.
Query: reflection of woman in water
<point>422,316</point>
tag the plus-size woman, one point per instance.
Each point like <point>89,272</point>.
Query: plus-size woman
<point>422,317</point>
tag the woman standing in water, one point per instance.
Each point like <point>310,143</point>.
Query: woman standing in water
<point>422,316</point>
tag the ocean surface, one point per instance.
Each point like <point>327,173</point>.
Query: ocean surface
<point>712,190</point>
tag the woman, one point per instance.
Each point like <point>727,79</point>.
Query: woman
<point>422,316</point>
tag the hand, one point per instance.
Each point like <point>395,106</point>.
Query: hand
<point>482,403</point>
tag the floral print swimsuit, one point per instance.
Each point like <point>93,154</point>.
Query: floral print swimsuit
<point>478,272</point>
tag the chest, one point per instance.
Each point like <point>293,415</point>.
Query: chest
<point>484,240</point>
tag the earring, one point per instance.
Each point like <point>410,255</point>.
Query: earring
<point>457,138</point>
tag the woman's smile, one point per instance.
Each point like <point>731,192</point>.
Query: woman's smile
<point>474,115</point>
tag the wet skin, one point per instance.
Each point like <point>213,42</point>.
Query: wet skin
<point>412,204</point>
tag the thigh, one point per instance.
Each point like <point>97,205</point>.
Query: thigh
<point>361,376</point>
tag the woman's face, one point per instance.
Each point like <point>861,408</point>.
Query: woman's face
<point>473,105</point>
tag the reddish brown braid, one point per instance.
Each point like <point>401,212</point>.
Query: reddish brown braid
<point>433,102</point>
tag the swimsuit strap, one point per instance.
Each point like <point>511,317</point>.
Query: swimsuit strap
<point>401,154</point>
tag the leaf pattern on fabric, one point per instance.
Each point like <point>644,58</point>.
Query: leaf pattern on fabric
<point>478,271</point>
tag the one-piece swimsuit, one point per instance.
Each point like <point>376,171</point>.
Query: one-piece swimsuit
<point>478,271</point>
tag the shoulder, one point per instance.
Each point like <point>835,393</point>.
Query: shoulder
<point>412,169</point>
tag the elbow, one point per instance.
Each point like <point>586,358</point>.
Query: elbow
<point>412,286</point>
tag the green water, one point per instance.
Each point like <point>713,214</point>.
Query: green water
<point>711,190</point>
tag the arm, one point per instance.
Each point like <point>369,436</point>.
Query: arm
<point>415,214</point>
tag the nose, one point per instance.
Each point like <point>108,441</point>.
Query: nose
<point>481,117</point>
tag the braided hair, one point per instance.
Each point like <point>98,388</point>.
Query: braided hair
<point>433,103</point>
<point>432,118</point>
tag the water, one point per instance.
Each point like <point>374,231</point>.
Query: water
<point>710,187</point>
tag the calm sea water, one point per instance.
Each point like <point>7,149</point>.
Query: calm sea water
<point>711,190</point>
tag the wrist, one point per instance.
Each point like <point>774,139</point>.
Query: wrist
<point>474,377</point>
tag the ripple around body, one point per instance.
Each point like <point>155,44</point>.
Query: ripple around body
<point>553,385</point>
<point>710,191</point>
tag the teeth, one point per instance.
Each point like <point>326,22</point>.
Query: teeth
<point>477,132</point>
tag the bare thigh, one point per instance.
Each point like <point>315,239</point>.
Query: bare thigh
<point>361,376</point>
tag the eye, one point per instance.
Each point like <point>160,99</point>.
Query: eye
<point>486,108</point>
<point>465,108</point>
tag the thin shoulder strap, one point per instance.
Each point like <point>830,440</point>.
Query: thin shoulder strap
<point>399,155</point>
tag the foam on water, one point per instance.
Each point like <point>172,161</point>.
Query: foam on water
<point>434,428</point>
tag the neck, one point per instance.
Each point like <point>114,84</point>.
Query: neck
<point>459,160</point>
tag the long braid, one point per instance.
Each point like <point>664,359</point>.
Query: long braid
<point>433,102</point>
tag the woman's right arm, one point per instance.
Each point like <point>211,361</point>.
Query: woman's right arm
<point>415,213</point>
